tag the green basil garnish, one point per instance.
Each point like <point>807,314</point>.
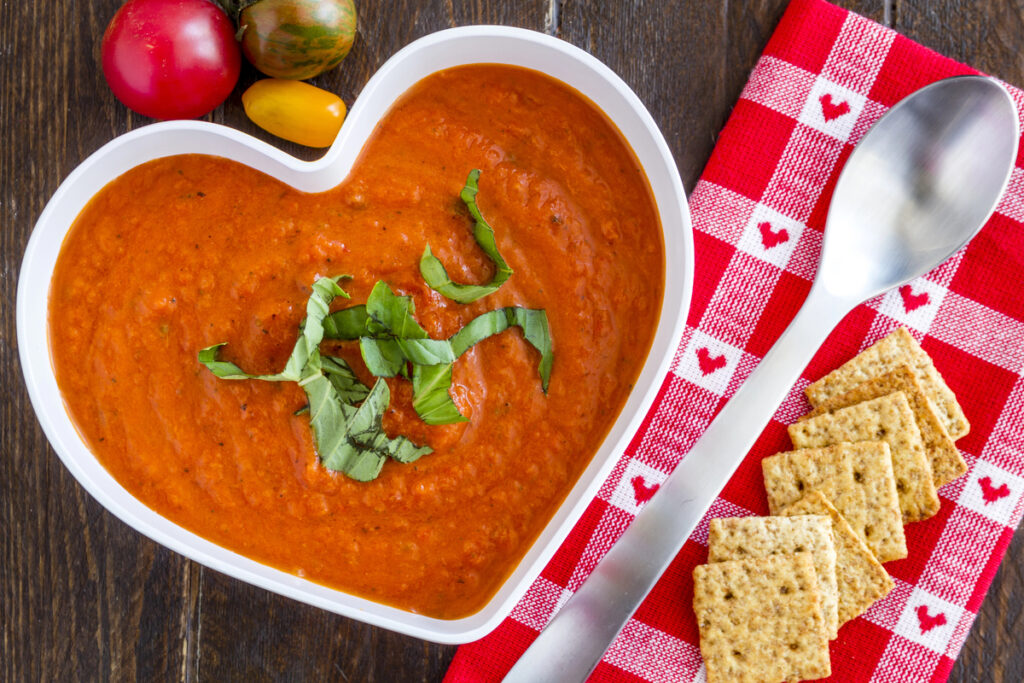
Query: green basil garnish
<point>430,397</point>
<point>392,314</point>
<point>436,275</point>
<point>346,384</point>
<point>533,322</point>
<point>349,438</point>
<point>345,415</point>
<point>311,331</point>
<point>333,429</point>
<point>383,357</point>
<point>359,450</point>
<point>348,323</point>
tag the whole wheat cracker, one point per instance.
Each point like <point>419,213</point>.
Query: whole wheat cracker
<point>946,462</point>
<point>889,419</point>
<point>739,538</point>
<point>761,620</point>
<point>898,348</point>
<point>860,579</point>
<point>856,478</point>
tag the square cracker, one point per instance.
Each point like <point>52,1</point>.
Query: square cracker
<point>860,578</point>
<point>740,538</point>
<point>856,478</point>
<point>943,456</point>
<point>888,419</point>
<point>887,354</point>
<point>760,620</point>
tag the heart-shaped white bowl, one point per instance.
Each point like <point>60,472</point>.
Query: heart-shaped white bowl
<point>453,47</point>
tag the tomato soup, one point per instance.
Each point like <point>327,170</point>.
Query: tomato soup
<point>188,251</point>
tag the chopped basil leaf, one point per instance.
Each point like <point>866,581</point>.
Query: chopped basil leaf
<point>222,368</point>
<point>389,336</point>
<point>312,329</point>
<point>346,384</point>
<point>533,322</point>
<point>311,334</point>
<point>427,351</point>
<point>349,439</point>
<point>383,357</point>
<point>392,314</point>
<point>348,323</point>
<point>436,275</point>
<point>331,430</point>
<point>400,448</point>
<point>364,432</point>
<point>431,382</point>
<point>430,397</point>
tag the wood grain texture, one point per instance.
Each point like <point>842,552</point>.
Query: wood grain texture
<point>84,597</point>
<point>81,594</point>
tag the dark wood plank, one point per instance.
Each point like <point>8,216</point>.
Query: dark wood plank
<point>249,634</point>
<point>674,58</point>
<point>986,35</point>
<point>82,596</point>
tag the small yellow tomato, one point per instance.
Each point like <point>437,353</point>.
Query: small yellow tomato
<point>295,111</point>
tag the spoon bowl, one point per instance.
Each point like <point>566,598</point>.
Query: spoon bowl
<point>920,184</point>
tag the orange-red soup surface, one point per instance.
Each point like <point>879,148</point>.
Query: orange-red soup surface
<point>188,251</point>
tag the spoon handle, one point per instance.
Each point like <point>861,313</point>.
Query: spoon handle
<point>579,634</point>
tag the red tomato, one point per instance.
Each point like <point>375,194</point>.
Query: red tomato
<point>171,59</point>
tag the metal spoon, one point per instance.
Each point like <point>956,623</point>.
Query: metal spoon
<point>919,185</point>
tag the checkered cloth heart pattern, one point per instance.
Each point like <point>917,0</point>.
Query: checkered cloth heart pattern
<point>759,212</point>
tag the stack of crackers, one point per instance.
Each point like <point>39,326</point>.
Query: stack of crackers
<point>871,454</point>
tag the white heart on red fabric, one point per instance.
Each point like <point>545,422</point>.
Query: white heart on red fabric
<point>914,304</point>
<point>770,236</point>
<point>930,621</point>
<point>832,109</point>
<point>707,362</point>
<point>992,492</point>
<point>639,482</point>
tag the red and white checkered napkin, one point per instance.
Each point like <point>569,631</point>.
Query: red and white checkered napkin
<point>759,211</point>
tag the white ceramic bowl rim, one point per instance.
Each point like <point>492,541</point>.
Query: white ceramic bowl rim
<point>452,47</point>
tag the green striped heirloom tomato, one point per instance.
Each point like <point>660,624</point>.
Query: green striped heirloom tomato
<point>296,38</point>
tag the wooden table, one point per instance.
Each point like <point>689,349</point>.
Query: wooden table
<point>85,597</point>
